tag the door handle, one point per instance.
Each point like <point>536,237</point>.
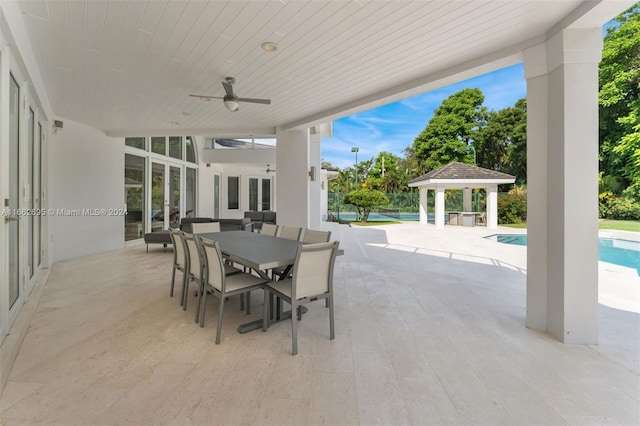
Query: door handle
<point>8,219</point>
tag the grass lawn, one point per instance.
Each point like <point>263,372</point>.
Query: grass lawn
<point>618,225</point>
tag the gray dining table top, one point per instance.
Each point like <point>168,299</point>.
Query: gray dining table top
<point>254,250</point>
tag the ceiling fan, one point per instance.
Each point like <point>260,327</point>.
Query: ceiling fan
<point>230,100</point>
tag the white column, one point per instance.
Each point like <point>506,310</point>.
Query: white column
<point>492,207</point>
<point>424,219</point>
<point>466,200</point>
<point>571,187</point>
<point>439,207</point>
<point>535,69</point>
<point>315,191</point>
<point>292,179</point>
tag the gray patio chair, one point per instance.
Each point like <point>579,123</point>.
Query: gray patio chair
<point>179,257</point>
<point>220,284</point>
<point>269,229</point>
<point>290,232</point>
<point>311,236</point>
<point>204,227</point>
<point>312,280</point>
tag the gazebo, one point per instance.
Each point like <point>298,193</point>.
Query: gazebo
<point>461,176</point>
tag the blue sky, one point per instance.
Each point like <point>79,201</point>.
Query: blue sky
<point>394,126</point>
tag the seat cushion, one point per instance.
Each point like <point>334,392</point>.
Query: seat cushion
<point>160,237</point>
<point>269,217</point>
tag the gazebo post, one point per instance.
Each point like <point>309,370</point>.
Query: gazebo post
<point>492,206</point>
<point>439,206</point>
<point>424,218</point>
<point>466,200</point>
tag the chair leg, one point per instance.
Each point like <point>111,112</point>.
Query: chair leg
<point>173,281</point>
<point>183,292</point>
<point>219,330</point>
<point>332,332</point>
<point>200,291</point>
<point>294,331</point>
<point>185,296</point>
<point>203,306</point>
<point>299,313</point>
<point>265,310</point>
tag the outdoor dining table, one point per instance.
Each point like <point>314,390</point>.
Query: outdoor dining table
<point>258,252</point>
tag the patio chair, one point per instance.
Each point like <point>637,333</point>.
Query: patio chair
<point>179,257</point>
<point>481,219</point>
<point>311,236</point>
<point>312,280</point>
<point>269,229</point>
<point>290,232</point>
<point>220,284</point>
<point>204,227</point>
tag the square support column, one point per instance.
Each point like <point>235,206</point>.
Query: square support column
<point>492,207</point>
<point>562,255</point>
<point>292,179</point>
<point>424,218</point>
<point>466,200</point>
<point>439,206</point>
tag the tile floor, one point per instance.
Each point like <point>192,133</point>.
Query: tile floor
<point>429,330</point>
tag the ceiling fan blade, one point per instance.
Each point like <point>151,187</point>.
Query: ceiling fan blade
<point>206,97</point>
<point>255,101</point>
<point>228,89</point>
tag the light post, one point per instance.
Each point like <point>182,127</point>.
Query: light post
<point>355,149</point>
<point>474,154</point>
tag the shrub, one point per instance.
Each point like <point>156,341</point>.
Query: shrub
<point>365,200</point>
<point>621,208</point>
<point>512,207</point>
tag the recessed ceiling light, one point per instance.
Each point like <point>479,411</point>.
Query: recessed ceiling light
<point>187,113</point>
<point>269,46</point>
<point>175,123</point>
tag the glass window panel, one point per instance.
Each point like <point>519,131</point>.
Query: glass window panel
<point>38,204</point>
<point>135,142</point>
<point>253,194</point>
<point>190,148</point>
<point>134,191</point>
<point>190,196</point>
<point>31,160</point>
<point>233,192</point>
<point>266,194</point>
<point>159,145</point>
<point>174,197</point>
<point>157,197</point>
<point>14,189</point>
<point>175,147</point>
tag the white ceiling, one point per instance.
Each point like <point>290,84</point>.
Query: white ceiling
<point>129,66</point>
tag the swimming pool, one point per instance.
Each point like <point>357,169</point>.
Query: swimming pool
<point>612,250</point>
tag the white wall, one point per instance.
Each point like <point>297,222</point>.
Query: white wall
<point>86,172</point>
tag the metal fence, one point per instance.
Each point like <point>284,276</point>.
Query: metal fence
<point>403,205</point>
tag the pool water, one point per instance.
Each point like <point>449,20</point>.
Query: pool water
<point>612,250</point>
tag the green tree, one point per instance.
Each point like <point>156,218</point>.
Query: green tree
<point>502,144</point>
<point>385,173</point>
<point>619,100</point>
<point>454,126</point>
<point>365,200</point>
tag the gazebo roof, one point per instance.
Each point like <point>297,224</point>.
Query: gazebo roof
<point>462,174</point>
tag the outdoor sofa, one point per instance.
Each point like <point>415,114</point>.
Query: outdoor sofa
<point>163,237</point>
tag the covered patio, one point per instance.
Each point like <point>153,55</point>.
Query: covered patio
<point>429,330</point>
<point>465,177</point>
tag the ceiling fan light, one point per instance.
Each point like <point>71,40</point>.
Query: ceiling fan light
<point>269,46</point>
<point>231,104</point>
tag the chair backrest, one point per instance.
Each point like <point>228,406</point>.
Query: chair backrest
<point>269,229</point>
<point>290,232</point>
<point>201,228</point>
<point>191,248</point>
<point>311,236</point>
<point>178,247</point>
<point>313,269</point>
<point>213,266</point>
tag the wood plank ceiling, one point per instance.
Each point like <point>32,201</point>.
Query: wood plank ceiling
<point>130,65</point>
